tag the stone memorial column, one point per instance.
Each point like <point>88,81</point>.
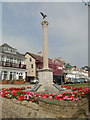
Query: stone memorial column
<point>45,44</point>
<point>45,74</point>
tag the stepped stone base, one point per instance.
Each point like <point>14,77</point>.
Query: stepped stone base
<point>46,82</point>
<point>48,89</point>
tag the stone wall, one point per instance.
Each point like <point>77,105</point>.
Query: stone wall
<point>64,109</point>
<point>23,109</point>
<point>48,108</point>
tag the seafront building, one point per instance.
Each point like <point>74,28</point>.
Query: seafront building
<point>12,63</point>
<point>17,66</point>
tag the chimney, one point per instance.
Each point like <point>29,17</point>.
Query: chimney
<point>40,53</point>
<point>60,58</point>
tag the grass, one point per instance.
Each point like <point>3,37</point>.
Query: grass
<point>79,85</point>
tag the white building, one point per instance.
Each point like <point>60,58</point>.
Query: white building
<point>12,63</point>
<point>77,73</point>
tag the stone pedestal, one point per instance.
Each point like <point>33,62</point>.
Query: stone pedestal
<point>46,81</point>
<point>45,76</point>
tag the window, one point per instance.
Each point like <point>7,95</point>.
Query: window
<point>7,61</point>
<point>30,59</point>
<point>31,65</point>
<point>6,49</point>
<point>5,75</point>
<point>15,60</point>
<point>20,77</point>
<point>10,77</point>
<point>2,58</point>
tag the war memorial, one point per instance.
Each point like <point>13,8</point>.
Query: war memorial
<point>46,74</point>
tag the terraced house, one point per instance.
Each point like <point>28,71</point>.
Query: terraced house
<point>12,63</point>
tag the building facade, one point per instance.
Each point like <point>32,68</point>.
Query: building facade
<point>35,62</point>
<point>73,72</point>
<point>12,63</point>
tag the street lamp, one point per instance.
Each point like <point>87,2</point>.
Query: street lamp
<point>86,3</point>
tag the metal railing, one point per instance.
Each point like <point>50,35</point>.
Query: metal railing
<point>14,65</point>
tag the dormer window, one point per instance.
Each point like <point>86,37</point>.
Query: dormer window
<point>7,48</point>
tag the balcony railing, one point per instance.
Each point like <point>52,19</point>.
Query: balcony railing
<point>14,65</point>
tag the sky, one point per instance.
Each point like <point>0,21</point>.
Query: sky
<point>67,30</point>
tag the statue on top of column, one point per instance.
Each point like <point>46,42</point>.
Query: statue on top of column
<point>44,15</point>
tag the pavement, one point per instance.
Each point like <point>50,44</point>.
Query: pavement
<point>16,85</point>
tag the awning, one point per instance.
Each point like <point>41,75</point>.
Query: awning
<point>68,66</point>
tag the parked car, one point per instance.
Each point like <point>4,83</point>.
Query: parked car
<point>85,80</point>
<point>68,80</point>
<point>88,80</point>
<point>81,80</point>
<point>34,81</point>
<point>78,80</point>
<point>75,81</point>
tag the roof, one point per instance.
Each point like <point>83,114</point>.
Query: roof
<point>37,57</point>
<point>40,58</point>
<point>18,55</point>
<point>33,55</point>
<point>6,45</point>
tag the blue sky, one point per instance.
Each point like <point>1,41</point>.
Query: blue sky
<point>67,29</point>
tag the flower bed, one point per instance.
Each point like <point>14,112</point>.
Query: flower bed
<point>12,82</point>
<point>18,82</point>
<point>77,93</point>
